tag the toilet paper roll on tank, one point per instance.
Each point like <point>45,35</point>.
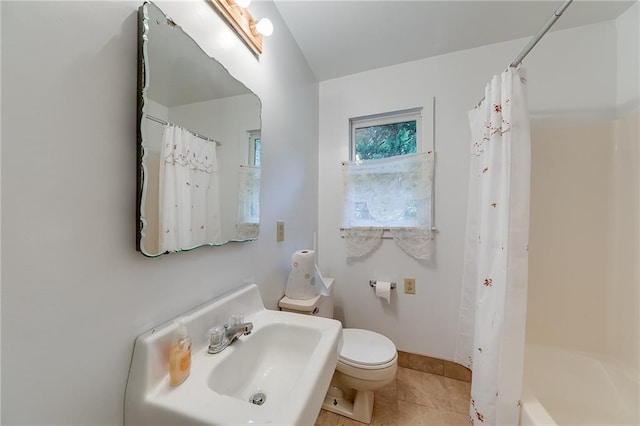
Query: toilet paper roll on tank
<point>305,280</point>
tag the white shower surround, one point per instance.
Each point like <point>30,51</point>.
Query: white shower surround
<point>576,370</point>
<point>563,386</point>
<point>585,368</point>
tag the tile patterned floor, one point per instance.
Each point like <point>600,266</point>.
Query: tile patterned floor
<point>414,398</point>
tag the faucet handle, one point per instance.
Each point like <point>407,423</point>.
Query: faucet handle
<point>217,336</point>
<point>236,319</point>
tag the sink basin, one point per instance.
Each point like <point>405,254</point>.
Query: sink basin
<point>270,363</point>
<point>279,374</point>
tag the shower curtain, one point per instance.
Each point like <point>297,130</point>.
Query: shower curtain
<point>494,289</point>
<point>189,200</point>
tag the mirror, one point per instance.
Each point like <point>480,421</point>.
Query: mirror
<point>198,144</point>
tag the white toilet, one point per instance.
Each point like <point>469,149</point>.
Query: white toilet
<point>367,362</point>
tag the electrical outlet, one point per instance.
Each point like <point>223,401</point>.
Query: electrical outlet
<point>410,285</point>
<point>280,231</point>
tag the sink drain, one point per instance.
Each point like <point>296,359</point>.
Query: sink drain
<point>258,398</point>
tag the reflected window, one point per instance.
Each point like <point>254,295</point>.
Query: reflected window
<point>254,148</point>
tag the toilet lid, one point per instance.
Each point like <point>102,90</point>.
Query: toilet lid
<point>366,347</point>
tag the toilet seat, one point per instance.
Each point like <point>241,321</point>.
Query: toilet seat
<point>366,349</point>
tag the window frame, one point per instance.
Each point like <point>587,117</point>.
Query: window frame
<point>413,114</point>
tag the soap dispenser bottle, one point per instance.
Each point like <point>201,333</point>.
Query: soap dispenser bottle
<point>179,355</point>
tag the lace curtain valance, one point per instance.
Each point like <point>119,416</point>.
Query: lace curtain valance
<point>393,193</point>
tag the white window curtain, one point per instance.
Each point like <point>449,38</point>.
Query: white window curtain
<point>189,198</point>
<point>494,289</point>
<point>392,193</point>
<point>248,220</point>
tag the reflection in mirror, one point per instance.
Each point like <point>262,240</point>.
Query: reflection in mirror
<point>199,144</point>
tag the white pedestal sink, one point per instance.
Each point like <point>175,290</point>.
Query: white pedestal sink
<point>285,365</point>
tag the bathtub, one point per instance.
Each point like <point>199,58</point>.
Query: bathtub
<point>563,387</point>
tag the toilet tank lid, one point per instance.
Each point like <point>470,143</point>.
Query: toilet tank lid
<point>366,347</point>
<point>302,305</point>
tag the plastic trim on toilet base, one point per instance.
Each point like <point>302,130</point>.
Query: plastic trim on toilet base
<point>351,391</point>
<point>361,409</point>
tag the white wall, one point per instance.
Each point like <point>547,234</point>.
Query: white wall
<point>153,130</point>
<point>75,293</point>
<point>152,134</point>
<point>570,73</point>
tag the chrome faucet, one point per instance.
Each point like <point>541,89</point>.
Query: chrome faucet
<point>235,331</point>
<point>221,337</point>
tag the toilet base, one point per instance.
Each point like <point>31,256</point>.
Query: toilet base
<point>359,407</point>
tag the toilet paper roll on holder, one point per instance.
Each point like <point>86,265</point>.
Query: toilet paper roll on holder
<point>372,283</point>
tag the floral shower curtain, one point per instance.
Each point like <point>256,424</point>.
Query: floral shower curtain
<point>189,199</point>
<point>493,305</point>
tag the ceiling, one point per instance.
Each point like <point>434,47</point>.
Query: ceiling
<point>345,37</point>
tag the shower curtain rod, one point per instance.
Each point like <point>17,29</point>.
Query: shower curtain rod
<point>161,121</point>
<point>536,38</point>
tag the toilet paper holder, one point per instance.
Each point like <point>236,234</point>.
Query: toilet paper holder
<point>372,283</point>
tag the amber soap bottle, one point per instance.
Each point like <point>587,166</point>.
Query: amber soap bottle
<point>179,355</point>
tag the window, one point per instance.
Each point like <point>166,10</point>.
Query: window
<point>375,138</point>
<point>385,135</point>
<point>388,185</point>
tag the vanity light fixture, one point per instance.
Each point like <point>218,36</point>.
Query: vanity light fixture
<point>240,19</point>
<point>264,27</point>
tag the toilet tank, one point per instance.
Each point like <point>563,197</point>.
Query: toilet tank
<point>319,305</point>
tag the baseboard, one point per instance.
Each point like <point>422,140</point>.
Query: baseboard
<point>431,365</point>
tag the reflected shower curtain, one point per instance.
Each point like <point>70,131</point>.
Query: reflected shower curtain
<point>494,289</point>
<point>189,200</point>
